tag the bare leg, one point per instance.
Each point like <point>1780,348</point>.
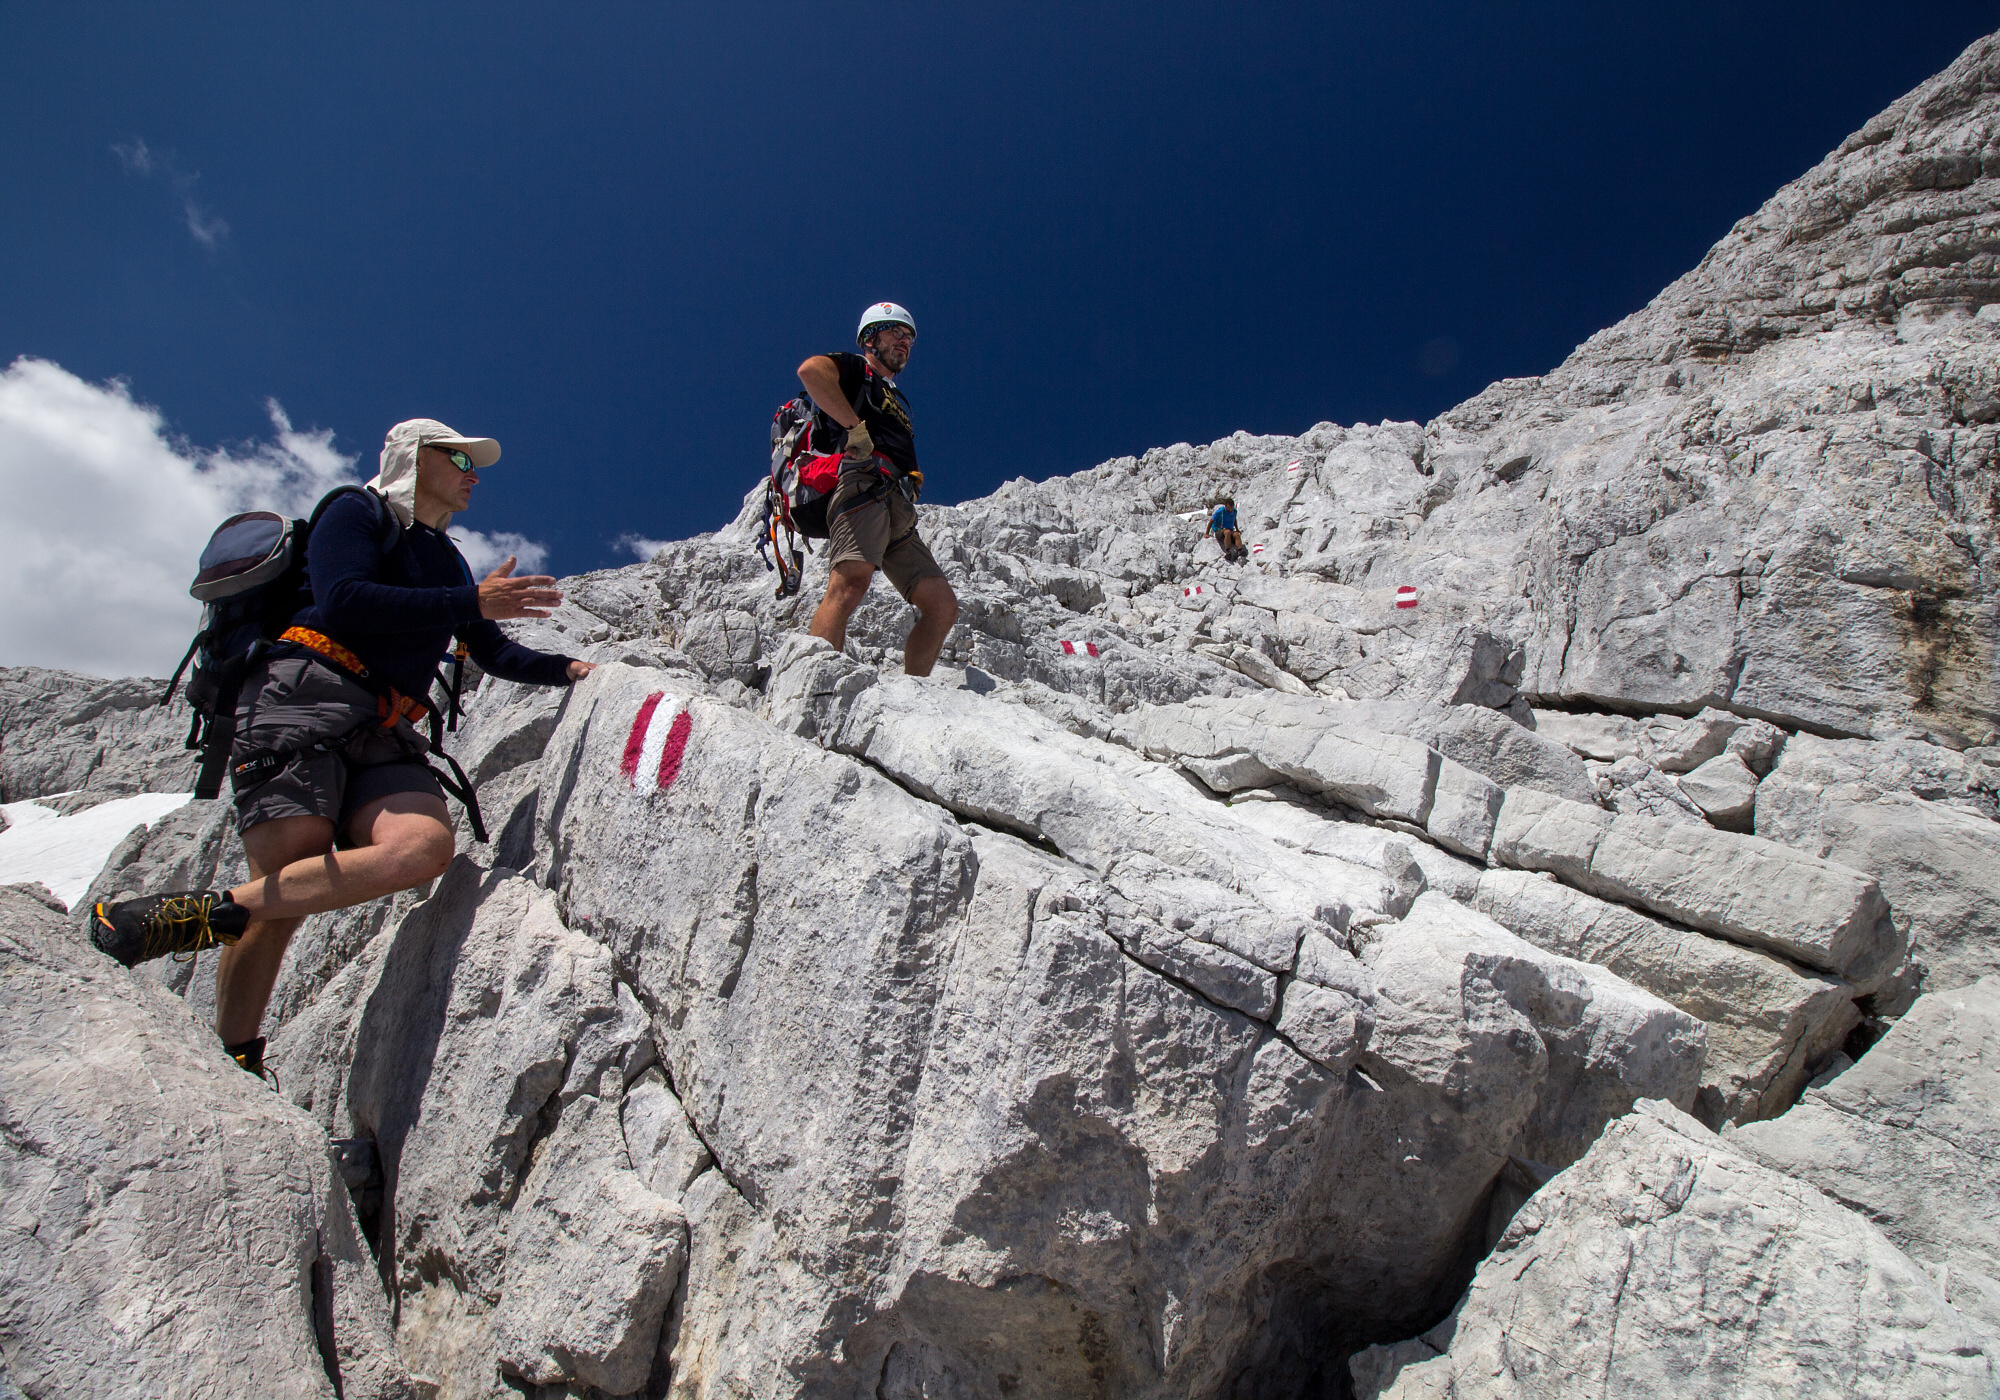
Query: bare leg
<point>846,586</point>
<point>403,840</point>
<point>248,969</point>
<point>937,610</point>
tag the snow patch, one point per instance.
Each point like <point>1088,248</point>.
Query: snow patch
<point>65,853</point>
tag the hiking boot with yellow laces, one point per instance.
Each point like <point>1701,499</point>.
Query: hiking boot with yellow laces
<point>182,924</point>
<point>249,1055</point>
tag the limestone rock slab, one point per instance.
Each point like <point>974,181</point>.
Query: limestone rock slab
<point>1636,788</point>
<point>1603,1043</point>
<point>1828,916</point>
<point>1725,789</point>
<point>1668,1263</point>
<point>1604,737</point>
<point>664,1148</point>
<point>1464,810</point>
<point>168,1225</point>
<point>1007,766</point>
<point>1384,775</point>
<point>593,1257</point>
<point>1937,857</point>
<point>1536,831</point>
<point>958,1122</point>
<point>1910,1137</point>
<point>1770,1025</point>
<point>519,1024</point>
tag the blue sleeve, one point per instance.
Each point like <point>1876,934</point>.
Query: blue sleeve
<point>342,559</point>
<point>500,655</point>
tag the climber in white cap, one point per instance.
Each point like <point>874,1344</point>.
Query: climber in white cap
<point>334,797</point>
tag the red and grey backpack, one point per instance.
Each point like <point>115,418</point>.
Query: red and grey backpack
<point>806,449</point>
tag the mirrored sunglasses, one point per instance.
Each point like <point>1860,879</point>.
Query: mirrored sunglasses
<point>458,459</point>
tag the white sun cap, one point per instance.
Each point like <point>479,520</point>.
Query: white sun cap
<point>882,313</point>
<point>428,432</point>
<point>397,481</point>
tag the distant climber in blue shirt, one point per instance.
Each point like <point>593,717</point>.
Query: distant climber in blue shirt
<point>1222,524</point>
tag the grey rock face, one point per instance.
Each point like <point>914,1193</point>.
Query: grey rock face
<point>65,732</point>
<point>169,1226</point>
<point>1465,808</point>
<point>959,951</point>
<point>1604,1043</point>
<point>1606,738</point>
<point>1167,1019</point>
<point>504,1170</point>
<point>593,1257</point>
<point>1827,916</point>
<point>1725,789</point>
<point>1594,1287</point>
<point>1910,1137</point>
<point>1638,789</point>
<point>1384,775</point>
<point>1769,1024</point>
<point>1915,817</point>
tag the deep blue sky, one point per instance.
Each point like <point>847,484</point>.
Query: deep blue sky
<point>608,233</point>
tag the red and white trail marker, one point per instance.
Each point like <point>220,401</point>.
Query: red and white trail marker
<point>1256,549</point>
<point>1295,466</point>
<point>1406,597</point>
<point>657,743</point>
<point>1071,648</point>
<point>1193,591</point>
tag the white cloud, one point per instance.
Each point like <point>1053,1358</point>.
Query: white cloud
<point>138,159</point>
<point>485,553</point>
<point>106,513</point>
<point>134,156</point>
<point>644,548</point>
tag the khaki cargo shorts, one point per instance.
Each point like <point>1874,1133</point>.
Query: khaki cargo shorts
<point>868,520</point>
<point>294,701</point>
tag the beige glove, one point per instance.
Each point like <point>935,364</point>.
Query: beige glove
<point>860,446</point>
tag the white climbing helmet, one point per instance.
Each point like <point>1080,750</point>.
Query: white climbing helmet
<point>882,313</point>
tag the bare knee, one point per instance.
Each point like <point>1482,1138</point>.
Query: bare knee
<point>433,854</point>
<point>937,603</point>
<point>847,585</point>
<point>419,852</point>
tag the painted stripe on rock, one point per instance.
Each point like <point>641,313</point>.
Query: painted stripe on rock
<point>657,744</point>
<point>636,740</point>
<point>675,747</point>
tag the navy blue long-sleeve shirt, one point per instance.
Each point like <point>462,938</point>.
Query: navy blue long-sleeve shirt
<point>398,611</point>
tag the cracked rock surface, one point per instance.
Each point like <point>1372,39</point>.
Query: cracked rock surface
<point>1665,1263</point>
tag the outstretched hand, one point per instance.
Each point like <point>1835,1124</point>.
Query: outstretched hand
<point>502,596</point>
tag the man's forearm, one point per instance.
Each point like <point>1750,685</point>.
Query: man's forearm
<point>822,381</point>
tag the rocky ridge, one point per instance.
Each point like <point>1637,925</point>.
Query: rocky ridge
<point>1194,1015</point>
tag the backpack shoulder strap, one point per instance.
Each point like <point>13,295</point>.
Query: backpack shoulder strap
<point>388,529</point>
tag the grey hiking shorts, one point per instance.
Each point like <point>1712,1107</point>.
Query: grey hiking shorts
<point>881,531</point>
<point>297,700</point>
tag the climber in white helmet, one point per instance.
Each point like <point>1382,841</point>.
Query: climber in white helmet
<point>872,516</point>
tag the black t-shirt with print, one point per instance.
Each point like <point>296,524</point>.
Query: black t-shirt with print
<point>882,407</point>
